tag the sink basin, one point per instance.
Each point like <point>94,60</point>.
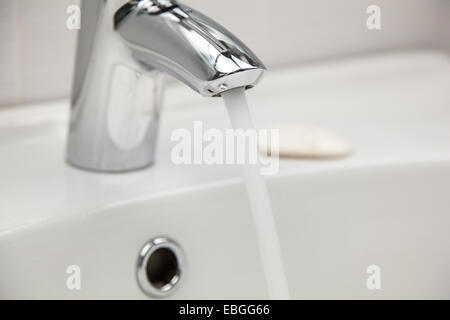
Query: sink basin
<point>386,205</point>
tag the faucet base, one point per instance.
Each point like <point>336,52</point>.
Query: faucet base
<point>112,171</point>
<point>121,135</point>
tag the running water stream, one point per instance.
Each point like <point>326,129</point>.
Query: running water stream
<point>269,244</point>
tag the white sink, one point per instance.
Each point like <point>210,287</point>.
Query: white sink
<point>386,205</point>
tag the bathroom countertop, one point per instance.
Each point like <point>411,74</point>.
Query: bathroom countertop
<point>394,108</point>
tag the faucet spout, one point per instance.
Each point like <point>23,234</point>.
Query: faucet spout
<point>124,48</point>
<point>186,44</point>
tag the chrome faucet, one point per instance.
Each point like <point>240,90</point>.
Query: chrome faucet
<point>124,48</point>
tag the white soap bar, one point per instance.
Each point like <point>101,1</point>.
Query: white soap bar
<point>308,142</point>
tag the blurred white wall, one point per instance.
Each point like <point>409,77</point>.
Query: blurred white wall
<point>446,25</point>
<point>36,49</point>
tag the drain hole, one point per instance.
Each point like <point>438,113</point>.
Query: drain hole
<point>162,268</point>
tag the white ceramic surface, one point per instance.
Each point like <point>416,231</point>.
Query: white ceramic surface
<point>386,205</point>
